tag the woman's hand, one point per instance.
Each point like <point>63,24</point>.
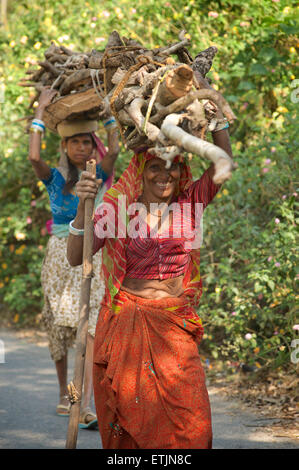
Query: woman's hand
<point>87,187</point>
<point>46,97</point>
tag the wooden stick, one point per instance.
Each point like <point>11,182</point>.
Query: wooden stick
<point>81,338</point>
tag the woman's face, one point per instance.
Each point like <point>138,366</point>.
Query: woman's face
<point>79,149</point>
<point>159,183</point>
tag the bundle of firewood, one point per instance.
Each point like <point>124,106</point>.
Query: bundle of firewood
<point>157,101</point>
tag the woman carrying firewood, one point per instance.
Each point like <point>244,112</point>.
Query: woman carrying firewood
<point>149,383</point>
<point>60,281</point>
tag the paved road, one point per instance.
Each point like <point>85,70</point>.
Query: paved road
<point>28,394</point>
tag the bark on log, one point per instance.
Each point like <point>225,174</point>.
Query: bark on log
<point>223,163</point>
<point>50,68</point>
<point>178,82</point>
<point>76,77</point>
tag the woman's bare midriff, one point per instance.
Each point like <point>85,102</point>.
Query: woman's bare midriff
<point>154,288</point>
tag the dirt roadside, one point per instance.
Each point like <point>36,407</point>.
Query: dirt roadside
<point>274,398</point>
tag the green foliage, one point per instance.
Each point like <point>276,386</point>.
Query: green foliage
<point>246,291</point>
<point>249,255</point>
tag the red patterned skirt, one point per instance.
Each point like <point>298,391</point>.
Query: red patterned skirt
<point>149,384</point>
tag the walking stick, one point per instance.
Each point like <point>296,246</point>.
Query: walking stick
<point>75,387</point>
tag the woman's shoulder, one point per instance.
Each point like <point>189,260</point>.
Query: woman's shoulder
<point>55,178</point>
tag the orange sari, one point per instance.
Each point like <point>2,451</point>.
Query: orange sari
<point>149,383</point>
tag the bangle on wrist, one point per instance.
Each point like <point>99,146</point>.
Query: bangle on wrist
<point>38,121</point>
<point>38,124</point>
<point>75,231</point>
<point>110,122</point>
<point>221,126</point>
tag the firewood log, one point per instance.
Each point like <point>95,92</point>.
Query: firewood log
<point>157,101</point>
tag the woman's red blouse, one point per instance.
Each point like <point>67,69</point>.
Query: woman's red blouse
<point>166,255</point>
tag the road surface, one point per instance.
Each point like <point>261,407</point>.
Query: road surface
<point>29,393</point>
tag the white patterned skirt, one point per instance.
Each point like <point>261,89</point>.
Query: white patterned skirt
<point>61,285</point>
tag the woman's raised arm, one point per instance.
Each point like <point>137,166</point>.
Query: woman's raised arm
<point>40,167</point>
<point>221,137</point>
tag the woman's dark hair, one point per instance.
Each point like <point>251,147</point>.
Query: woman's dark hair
<point>73,175</point>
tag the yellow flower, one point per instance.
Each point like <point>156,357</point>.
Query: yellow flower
<point>249,190</point>
<point>16,318</point>
<point>39,184</point>
<point>20,250</point>
<point>37,45</point>
<point>282,109</point>
<point>256,350</point>
<point>1,285</point>
<point>258,365</point>
<point>4,265</point>
<point>23,39</point>
<point>281,331</point>
<point>12,43</point>
<point>217,290</point>
<point>286,10</point>
<point>20,99</point>
<point>292,50</point>
<point>293,77</point>
<point>48,22</point>
<point>187,36</point>
<point>6,279</point>
<point>43,146</point>
<point>20,236</point>
<point>218,195</point>
<point>225,192</point>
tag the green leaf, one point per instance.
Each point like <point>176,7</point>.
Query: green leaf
<point>267,53</point>
<point>288,29</point>
<point>258,69</point>
<point>245,85</point>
